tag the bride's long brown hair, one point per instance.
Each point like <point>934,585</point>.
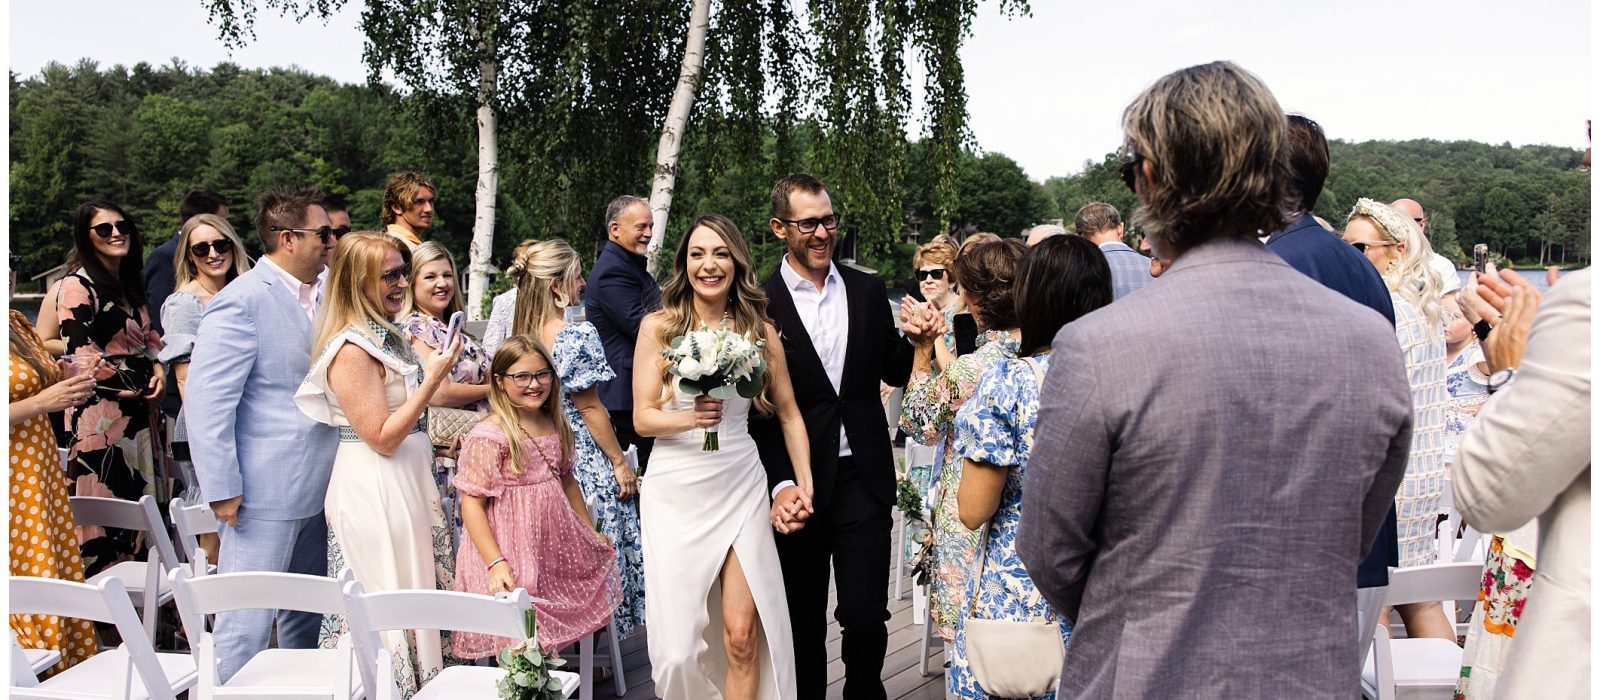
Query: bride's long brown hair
<point>747,301</point>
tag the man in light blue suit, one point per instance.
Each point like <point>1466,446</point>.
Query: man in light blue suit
<point>263,464</point>
<point>1102,224</point>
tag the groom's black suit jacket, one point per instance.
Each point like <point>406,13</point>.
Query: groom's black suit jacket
<point>874,351</point>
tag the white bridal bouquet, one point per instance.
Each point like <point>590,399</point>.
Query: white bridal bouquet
<point>719,363</point>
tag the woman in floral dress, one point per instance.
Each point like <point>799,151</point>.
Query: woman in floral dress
<point>1061,279</point>
<point>430,300</point>
<point>928,412</point>
<point>552,282</point>
<point>43,543</point>
<point>102,313</point>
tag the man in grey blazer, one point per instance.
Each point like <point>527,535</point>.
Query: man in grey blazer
<point>1101,223</point>
<point>1199,515</point>
<point>264,465</point>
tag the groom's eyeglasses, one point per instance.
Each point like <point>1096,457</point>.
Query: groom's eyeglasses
<point>524,380</point>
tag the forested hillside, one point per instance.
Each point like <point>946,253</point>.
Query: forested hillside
<point>141,136</point>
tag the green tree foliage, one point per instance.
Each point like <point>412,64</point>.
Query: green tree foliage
<point>1530,204</point>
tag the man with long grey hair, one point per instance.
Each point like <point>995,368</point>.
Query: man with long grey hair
<point>1222,479</point>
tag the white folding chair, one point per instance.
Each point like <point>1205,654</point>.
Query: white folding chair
<point>1369,604</point>
<point>272,673</point>
<point>132,671</point>
<point>28,661</point>
<point>137,577</point>
<point>916,455</point>
<point>191,522</point>
<point>1418,668</point>
<point>371,613</point>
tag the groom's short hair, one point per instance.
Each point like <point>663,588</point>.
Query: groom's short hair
<point>284,206</point>
<point>787,186</point>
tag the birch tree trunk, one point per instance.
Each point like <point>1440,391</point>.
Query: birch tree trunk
<point>479,269</point>
<point>666,171</point>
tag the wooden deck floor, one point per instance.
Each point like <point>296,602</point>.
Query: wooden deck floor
<point>901,675</point>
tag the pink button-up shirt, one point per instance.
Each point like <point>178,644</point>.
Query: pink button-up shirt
<point>308,294</point>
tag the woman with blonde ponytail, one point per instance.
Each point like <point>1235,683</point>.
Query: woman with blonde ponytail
<point>505,303</point>
<point>550,280</point>
<point>1395,245</point>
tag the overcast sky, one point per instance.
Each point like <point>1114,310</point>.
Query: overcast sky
<point>1048,90</point>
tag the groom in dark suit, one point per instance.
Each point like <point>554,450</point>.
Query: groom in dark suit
<point>840,342</point>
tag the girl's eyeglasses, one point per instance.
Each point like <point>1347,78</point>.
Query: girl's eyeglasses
<point>523,380</point>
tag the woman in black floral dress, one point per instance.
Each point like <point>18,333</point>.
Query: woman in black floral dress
<point>102,313</point>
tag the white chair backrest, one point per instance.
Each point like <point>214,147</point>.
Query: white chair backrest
<point>140,515</point>
<point>1433,582</point>
<point>1369,603</point>
<point>371,613</point>
<point>258,590</point>
<point>21,671</point>
<point>107,602</point>
<point>191,522</point>
<point>1467,546</point>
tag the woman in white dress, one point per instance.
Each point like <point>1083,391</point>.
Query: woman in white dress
<point>384,517</point>
<point>718,619</point>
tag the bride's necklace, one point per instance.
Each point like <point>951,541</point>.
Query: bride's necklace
<point>726,316</point>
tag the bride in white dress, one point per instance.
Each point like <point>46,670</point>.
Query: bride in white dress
<point>718,620</point>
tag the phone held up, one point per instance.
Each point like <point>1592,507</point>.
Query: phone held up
<point>1480,257</point>
<point>456,319</point>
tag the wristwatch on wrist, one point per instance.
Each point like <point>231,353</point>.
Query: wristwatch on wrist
<point>1502,379</point>
<point>1481,329</point>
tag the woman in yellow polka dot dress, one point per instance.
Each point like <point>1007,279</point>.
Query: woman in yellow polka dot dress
<point>42,539</point>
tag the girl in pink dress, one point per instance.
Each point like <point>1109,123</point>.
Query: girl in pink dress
<point>523,511</point>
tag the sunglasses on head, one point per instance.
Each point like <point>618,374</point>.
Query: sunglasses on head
<point>937,274</point>
<point>203,249</point>
<point>397,274</point>
<point>104,230</point>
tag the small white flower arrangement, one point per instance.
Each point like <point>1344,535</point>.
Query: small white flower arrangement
<point>719,363</point>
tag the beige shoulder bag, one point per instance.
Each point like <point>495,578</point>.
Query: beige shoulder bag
<point>1012,658</point>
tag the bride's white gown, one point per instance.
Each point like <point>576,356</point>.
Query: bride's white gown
<point>694,507</point>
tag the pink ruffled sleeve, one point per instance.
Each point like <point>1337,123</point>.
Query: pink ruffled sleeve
<point>479,467</point>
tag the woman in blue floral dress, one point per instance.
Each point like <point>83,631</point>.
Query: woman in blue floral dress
<point>1058,281</point>
<point>551,282</point>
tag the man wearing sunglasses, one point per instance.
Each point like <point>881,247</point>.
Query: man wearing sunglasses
<point>338,209</point>
<point>264,465</point>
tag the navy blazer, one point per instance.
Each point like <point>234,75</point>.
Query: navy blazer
<point>620,293</point>
<point>1324,257</point>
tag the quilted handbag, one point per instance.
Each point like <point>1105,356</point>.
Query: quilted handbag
<point>447,425</point>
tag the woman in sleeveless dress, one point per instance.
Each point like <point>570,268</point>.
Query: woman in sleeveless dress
<point>718,619</point>
<point>384,517</point>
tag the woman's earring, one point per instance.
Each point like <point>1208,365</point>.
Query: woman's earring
<point>561,302</point>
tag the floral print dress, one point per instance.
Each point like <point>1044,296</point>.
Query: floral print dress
<point>581,364</point>
<point>113,448</point>
<point>472,366</point>
<point>1468,389</point>
<point>996,427</point>
<point>928,414</point>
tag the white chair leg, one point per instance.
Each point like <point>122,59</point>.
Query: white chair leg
<point>615,642</point>
<point>927,640</point>
<point>586,668</point>
<point>900,558</point>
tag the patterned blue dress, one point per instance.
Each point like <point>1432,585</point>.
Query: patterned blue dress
<point>995,426</point>
<point>581,363</point>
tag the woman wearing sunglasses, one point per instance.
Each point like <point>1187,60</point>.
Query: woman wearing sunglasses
<point>209,256</point>
<point>938,286</point>
<point>107,331</point>
<point>385,520</point>
<point>1396,246</point>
